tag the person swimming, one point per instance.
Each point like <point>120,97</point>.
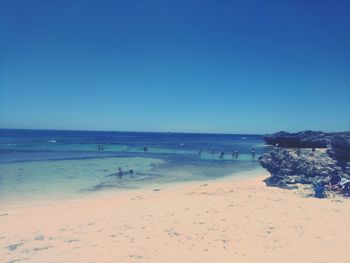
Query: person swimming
<point>145,149</point>
<point>221,154</point>
<point>131,171</point>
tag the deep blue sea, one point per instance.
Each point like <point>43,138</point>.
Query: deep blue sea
<point>37,164</point>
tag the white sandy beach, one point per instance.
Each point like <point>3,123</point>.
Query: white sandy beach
<point>219,221</point>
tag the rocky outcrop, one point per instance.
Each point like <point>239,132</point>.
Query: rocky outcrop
<point>288,167</point>
<point>291,165</point>
<point>303,139</point>
<point>340,148</point>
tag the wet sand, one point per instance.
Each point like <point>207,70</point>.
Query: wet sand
<point>217,221</point>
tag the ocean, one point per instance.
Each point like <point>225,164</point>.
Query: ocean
<point>50,164</point>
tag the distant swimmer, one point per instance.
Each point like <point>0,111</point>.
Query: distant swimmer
<point>222,154</point>
<point>200,153</point>
<point>145,149</point>
<point>120,172</point>
<point>253,152</point>
<point>131,171</point>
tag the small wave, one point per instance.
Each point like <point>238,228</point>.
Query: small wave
<point>243,138</point>
<point>52,141</point>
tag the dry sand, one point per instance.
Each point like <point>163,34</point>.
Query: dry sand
<point>221,221</point>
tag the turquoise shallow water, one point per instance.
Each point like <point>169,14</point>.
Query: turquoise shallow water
<point>57,164</point>
<point>64,178</point>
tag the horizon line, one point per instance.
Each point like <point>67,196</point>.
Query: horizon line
<point>177,132</point>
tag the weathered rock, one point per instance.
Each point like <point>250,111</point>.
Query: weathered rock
<point>340,147</point>
<point>306,139</point>
<point>288,167</point>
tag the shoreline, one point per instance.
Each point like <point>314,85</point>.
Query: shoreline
<point>112,192</point>
<point>221,220</point>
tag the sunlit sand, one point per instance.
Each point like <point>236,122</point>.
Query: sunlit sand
<point>223,221</point>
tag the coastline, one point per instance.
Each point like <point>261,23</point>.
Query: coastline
<point>113,192</point>
<point>204,221</point>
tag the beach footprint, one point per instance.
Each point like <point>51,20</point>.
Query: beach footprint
<point>135,256</point>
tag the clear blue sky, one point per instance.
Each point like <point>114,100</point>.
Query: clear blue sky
<point>194,66</point>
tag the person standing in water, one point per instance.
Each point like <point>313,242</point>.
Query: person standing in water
<point>236,153</point>
<point>253,152</point>
<point>222,155</point>
<point>120,172</point>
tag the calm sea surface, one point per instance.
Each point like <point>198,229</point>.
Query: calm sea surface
<point>37,164</point>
